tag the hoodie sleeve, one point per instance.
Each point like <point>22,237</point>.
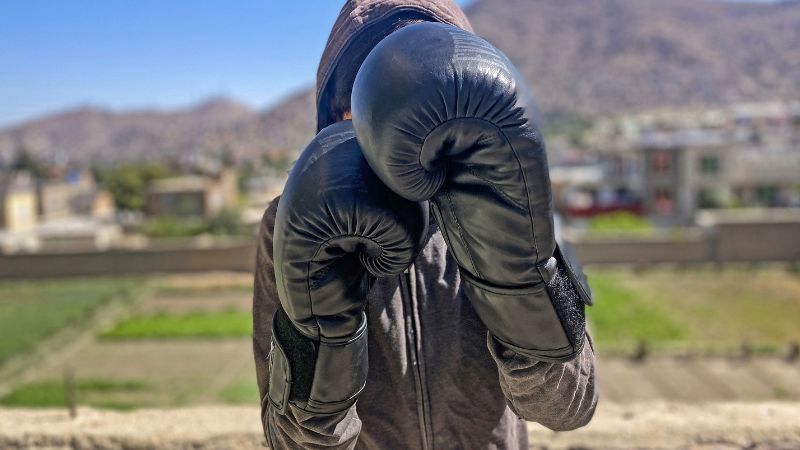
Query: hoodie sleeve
<point>295,429</point>
<point>560,396</point>
<point>265,297</point>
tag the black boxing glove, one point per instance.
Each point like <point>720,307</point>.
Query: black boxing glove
<point>337,227</point>
<point>440,114</point>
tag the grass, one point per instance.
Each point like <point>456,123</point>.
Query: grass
<point>622,316</point>
<point>99,393</point>
<point>620,224</point>
<point>242,392</point>
<point>31,311</point>
<point>226,222</point>
<point>699,309</point>
<point>227,323</point>
<point>166,290</point>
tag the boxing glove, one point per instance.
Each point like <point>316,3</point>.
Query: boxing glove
<point>337,227</point>
<point>441,114</point>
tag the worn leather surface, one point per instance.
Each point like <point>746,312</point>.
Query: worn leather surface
<point>440,114</point>
<point>337,228</point>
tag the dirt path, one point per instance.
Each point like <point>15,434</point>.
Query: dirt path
<point>717,426</point>
<point>709,379</point>
<point>662,426</point>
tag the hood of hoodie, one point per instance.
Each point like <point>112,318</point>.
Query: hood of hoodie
<point>361,24</point>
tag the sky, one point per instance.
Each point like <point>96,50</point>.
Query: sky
<point>129,54</point>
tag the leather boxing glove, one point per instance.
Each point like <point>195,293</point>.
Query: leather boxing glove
<point>440,114</point>
<point>337,227</point>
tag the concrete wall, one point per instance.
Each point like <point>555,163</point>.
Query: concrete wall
<point>236,257</point>
<point>642,251</point>
<point>758,241</point>
<point>729,241</point>
<point>725,242</point>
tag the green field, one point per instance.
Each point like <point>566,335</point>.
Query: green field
<point>695,309</point>
<point>228,323</point>
<point>99,393</point>
<point>31,311</point>
<point>240,392</point>
<point>188,340</point>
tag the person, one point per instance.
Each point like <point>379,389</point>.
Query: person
<point>393,329</point>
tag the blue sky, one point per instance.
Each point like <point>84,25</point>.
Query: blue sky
<point>125,54</point>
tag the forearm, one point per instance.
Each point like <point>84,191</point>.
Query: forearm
<point>265,297</point>
<point>559,395</point>
<point>297,429</point>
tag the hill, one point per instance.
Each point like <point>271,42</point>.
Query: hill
<point>593,57</point>
<point>583,59</point>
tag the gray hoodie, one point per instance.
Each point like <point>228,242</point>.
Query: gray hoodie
<point>436,379</point>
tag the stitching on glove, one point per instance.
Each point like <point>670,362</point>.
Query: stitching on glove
<point>496,189</point>
<point>461,232</point>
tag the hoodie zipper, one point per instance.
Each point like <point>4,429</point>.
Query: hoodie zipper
<point>415,348</point>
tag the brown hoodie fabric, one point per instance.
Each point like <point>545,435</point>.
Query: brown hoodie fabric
<point>360,25</point>
<point>436,379</point>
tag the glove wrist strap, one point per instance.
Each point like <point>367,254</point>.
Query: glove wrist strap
<point>320,377</point>
<point>545,321</point>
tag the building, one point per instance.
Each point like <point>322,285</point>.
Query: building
<point>78,233</point>
<point>18,217</point>
<point>690,170</point>
<point>606,182</point>
<point>681,161</point>
<point>192,196</point>
<point>76,195</point>
<point>17,202</point>
<point>70,214</point>
<point>260,190</point>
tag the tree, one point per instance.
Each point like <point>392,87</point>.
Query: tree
<point>227,157</point>
<point>24,160</point>
<point>128,184</point>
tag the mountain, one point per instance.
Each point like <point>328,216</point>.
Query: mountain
<point>583,58</point>
<point>89,133</point>
<point>591,57</point>
<point>219,125</point>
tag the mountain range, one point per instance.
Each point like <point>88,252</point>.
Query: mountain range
<point>583,59</point>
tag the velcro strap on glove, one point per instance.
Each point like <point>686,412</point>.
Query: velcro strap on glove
<point>545,321</point>
<point>319,377</point>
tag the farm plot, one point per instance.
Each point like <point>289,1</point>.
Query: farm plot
<point>181,345</point>
<point>188,341</point>
<point>696,310</point>
<point>33,311</point>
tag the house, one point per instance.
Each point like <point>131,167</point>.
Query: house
<point>78,233</point>
<point>682,161</point>
<point>192,196</point>
<point>17,202</point>
<point>608,181</point>
<point>77,194</point>
<point>17,213</point>
<point>685,171</point>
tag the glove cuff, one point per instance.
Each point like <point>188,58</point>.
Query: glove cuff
<point>322,376</point>
<point>545,321</point>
